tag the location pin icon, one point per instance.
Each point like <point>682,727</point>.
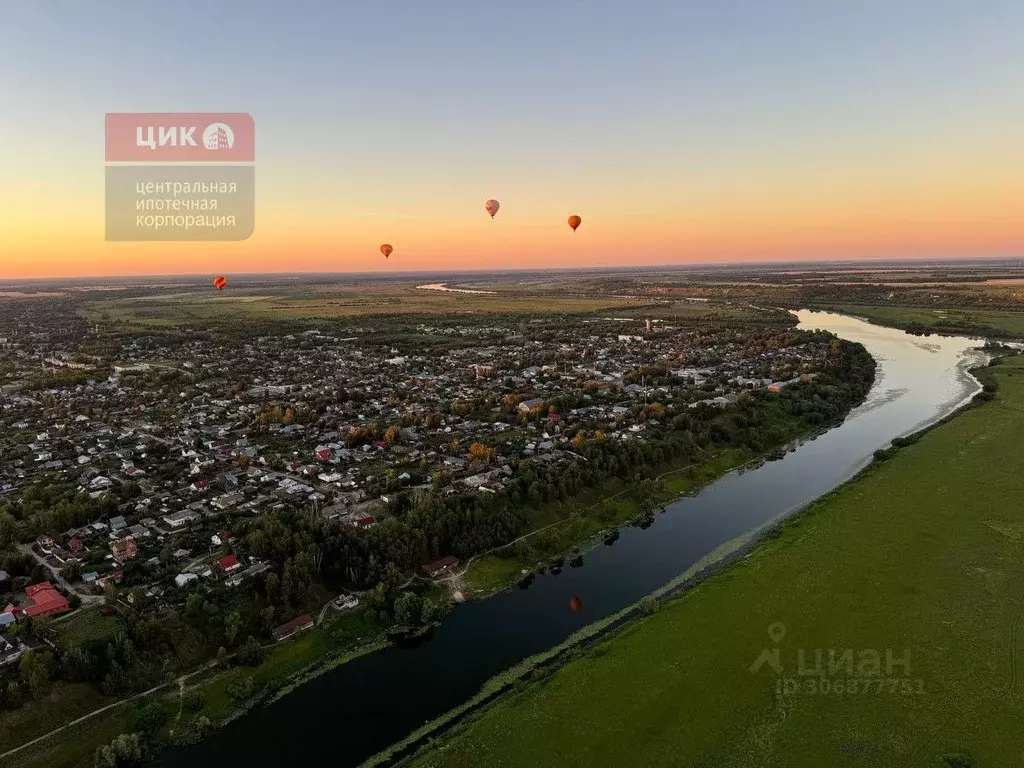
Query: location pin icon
<point>776,632</point>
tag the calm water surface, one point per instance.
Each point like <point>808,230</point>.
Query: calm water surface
<point>354,711</point>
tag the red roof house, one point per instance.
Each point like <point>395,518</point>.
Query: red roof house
<point>124,549</point>
<point>43,600</point>
<point>75,546</point>
<point>324,455</point>
<point>443,565</point>
<point>228,563</point>
<point>305,621</point>
<point>363,521</point>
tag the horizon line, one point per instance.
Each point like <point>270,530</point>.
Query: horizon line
<point>521,270</point>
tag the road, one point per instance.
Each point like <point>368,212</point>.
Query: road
<point>86,599</point>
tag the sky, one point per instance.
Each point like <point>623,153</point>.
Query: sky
<point>679,130</point>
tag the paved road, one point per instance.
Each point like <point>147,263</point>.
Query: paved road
<point>86,599</point>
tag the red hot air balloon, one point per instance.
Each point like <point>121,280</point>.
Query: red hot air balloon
<point>492,207</point>
<point>576,604</point>
<point>220,282</point>
<point>386,250</point>
<point>575,221</point>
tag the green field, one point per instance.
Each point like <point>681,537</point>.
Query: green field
<point>327,303</point>
<point>987,322</point>
<point>923,555</point>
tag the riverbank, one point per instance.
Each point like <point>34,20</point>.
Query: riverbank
<point>981,323</point>
<point>220,694</point>
<point>587,524</point>
<point>921,556</point>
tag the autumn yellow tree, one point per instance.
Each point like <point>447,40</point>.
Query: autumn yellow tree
<point>480,452</point>
<point>393,434</point>
<point>577,441</point>
<point>289,417</point>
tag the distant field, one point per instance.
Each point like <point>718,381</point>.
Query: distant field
<point>980,321</point>
<point>328,302</point>
<point>924,554</point>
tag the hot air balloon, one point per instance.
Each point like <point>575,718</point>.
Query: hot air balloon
<point>575,221</point>
<point>386,250</point>
<point>492,207</point>
<point>220,282</point>
<point>576,604</point>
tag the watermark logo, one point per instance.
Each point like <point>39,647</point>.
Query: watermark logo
<point>835,671</point>
<point>776,632</point>
<point>180,137</point>
<point>218,136</point>
<point>180,176</point>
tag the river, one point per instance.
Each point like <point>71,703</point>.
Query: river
<point>355,710</point>
<point>443,287</point>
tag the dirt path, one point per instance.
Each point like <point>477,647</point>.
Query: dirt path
<point>180,682</point>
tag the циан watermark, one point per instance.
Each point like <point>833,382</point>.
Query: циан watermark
<point>197,183</point>
<point>834,671</point>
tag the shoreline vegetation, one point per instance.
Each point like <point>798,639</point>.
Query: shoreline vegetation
<point>528,690</point>
<point>1002,325</point>
<point>188,714</point>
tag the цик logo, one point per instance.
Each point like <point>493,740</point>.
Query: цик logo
<point>218,136</point>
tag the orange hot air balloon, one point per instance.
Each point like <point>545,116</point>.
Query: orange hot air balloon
<point>576,604</point>
<point>575,221</point>
<point>492,207</point>
<point>386,250</point>
<point>220,282</point>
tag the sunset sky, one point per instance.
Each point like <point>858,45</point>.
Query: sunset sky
<point>681,131</point>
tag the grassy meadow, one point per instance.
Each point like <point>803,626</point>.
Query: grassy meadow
<point>987,322</point>
<point>922,556</point>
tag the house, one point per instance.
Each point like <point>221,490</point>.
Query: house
<point>229,563</point>
<point>41,600</point>
<point>323,454</point>
<point>184,578</point>
<point>360,521</point>
<point>439,567</point>
<point>75,546</point>
<point>528,405</point>
<point>118,523</point>
<point>124,549</point>
<point>180,519</point>
<point>46,543</point>
<point>10,650</point>
<point>296,625</point>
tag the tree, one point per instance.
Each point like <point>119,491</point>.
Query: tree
<point>123,752</point>
<point>72,571</point>
<point>480,452</point>
<point>409,609</point>
<point>150,716</point>
<point>273,587</point>
<point>34,669</point>
<point>8,527</point>
<point>232,626</point>
<point>250,654</point>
